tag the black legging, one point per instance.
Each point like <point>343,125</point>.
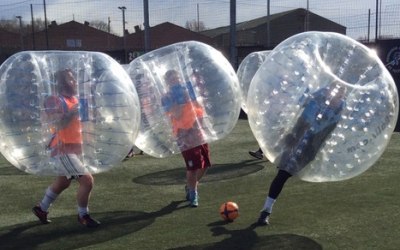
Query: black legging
<point>278,183</point>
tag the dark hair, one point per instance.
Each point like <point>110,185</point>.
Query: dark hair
<point>170,73</point>
<point>60,77</point>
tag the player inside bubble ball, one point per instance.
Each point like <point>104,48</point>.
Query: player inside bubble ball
<point>185,113</point>
<point>321,113</point>
<point>66,148</point>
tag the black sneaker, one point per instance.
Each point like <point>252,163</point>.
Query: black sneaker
<point>42,215</point>
<point>256,154</point>
<point>263,220</point>
<point>88,221</point>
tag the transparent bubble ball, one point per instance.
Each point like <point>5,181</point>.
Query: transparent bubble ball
<point>296,71</point>
<point>189,96</point>
<point>109,110</point>
<point>246,71</point>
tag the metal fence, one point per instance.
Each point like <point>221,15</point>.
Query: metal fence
<point>365,19</point>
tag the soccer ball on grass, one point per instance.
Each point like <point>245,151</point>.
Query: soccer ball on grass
<point>229,211</point>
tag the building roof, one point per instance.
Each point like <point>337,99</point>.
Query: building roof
<point>165,34</point>
<point>91,38</point>
<point>257,22</point>
<point>74,25</point>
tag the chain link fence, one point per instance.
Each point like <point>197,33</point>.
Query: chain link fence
<point>365,20</point>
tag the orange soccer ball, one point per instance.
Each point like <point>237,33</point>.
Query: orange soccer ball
<point>229,211</point>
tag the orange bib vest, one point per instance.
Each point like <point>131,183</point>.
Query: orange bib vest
<point>190,113</point>
<point>71,134</point>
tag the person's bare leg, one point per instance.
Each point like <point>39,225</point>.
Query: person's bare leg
<point>85,187</point>
<point>199,174</point>
<point>86,183</point>
<point>41,210</point>
<point>191,179</point>
<point>60,184</point>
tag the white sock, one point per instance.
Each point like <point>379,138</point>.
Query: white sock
<point>48,199</point>
<point>82,211</point>
<point>269,203</point>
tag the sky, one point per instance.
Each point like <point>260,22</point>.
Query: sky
<point>213,13</point>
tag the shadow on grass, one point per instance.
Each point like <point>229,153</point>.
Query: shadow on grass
<point>248,239</point>
<point>7,169</point>
<point>66,233</point>
<point>216,173</point>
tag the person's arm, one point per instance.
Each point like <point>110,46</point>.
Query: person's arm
<point>58,113</point>
<point>166,103</point>
<point>175,101</point>
<point>305,98</point>
<point>190,89</point>
<point>68,116</point>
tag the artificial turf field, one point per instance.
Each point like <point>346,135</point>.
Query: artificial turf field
<point>141,206</point>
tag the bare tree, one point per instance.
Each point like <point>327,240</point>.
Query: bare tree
<point>100,25</point>
<point>38,25</point>
<point>10,25</point>
<point>13,25</point>
<point>193,25</point>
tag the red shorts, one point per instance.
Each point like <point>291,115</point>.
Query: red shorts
<point>197,157</point>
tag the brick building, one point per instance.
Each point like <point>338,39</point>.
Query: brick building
<point>10,43</point>
<point>162,35</point>
<point>73,36</point>
<point>252,35</point>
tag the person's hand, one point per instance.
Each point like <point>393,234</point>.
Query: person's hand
<point>74,110</point>
<point>176,112</point>
<point>66,119</point>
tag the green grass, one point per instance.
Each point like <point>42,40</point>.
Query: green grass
<point>140,205</point>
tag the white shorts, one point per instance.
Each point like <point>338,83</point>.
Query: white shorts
<point>69,165</point>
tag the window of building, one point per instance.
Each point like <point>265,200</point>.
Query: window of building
<point>74,43</point>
